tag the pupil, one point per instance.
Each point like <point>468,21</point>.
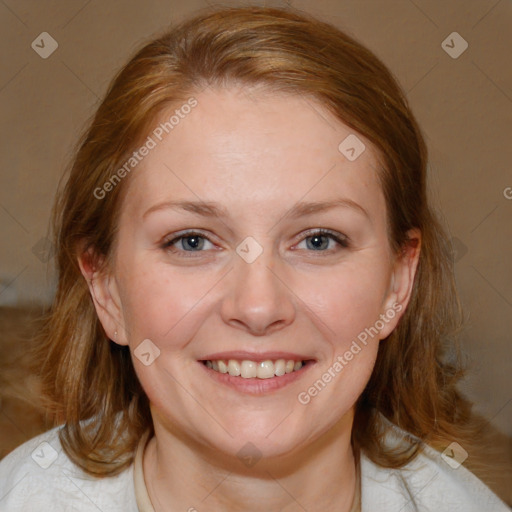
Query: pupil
<point>193,241</point>
<point>315,239</point>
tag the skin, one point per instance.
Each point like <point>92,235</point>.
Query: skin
<point>256,155</point>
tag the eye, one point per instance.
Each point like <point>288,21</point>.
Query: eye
<point>319,240</point>
<point>316,240</point>
<point>187,242</point>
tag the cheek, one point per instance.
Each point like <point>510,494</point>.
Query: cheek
<point>162,308</point>
<point>345,307</point>
<point>347,300</point>
<point>155,303</point>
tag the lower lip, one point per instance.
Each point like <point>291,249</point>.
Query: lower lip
<point>256,386</point>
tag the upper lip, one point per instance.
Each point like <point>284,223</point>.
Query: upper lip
<point>241,355</point>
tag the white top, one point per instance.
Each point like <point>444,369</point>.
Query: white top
<point>38,476</point>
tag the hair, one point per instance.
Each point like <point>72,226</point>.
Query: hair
<point>90,382</point>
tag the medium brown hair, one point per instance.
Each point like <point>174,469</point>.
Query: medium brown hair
<point>88,377</point>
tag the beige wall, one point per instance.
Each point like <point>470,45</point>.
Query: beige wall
<point>464,106</point>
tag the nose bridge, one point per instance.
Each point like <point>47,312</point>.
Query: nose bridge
<point>257,300</point>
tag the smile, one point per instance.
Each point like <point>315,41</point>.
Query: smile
<point>247,369</point>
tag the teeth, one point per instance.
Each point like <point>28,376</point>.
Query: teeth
<point>251,369</point>
<point>280,367</point>
<point>265,370</point>
<point>234,368</point>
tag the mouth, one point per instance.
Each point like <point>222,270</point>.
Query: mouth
<point>250,369</point>
<point>257,374</point>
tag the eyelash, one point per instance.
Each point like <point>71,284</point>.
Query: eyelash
<point>339,238</point>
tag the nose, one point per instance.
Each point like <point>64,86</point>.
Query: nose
<point>257,298</point>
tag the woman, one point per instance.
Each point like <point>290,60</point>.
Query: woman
<point>254,295</point>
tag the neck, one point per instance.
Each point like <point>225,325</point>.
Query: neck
<point>181,474</point>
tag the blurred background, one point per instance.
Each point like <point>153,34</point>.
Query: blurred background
<point>451,58</point>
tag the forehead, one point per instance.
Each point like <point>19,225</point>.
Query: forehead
<point>240,146</point>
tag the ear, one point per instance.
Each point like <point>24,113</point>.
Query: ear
<point>105,295</point>
<point>401,283</point>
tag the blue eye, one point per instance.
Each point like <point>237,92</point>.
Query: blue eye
<point>190,242</point>
<point>316,241</point>
<point>320,240</point>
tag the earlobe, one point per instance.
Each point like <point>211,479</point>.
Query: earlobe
<point>105,296</point>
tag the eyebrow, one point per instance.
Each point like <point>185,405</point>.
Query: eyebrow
<point>211,209</point>
<point>206,209</point>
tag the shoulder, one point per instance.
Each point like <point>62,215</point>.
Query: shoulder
<point>431,482</point>
<point>38,475</point>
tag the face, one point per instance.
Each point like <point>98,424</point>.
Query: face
<point>247,235</point>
